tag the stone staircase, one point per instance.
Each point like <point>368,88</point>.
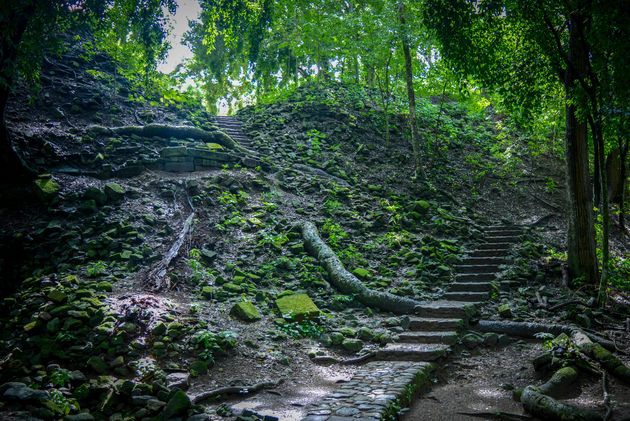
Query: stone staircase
<point>233,128</point>
<point>433,331</point>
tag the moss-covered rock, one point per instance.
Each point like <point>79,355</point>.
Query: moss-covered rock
<point>245,311</point>
<point>361,273</point>
<point>297,307</point>
<point>178,404</point>
<point>46,188</point>
<point>114,192</point>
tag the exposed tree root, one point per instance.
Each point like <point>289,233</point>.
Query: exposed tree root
<point>321,173</point>
<point>605,358</point>
<point>168,131</point>
<point>346,282</point>
<point>157,275</point>
<point>529,330</point>
<point>560,382</point>
<point>235,390</point>
<point>547,408</point>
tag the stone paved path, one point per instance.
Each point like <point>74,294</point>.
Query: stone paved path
<point>433,331</point>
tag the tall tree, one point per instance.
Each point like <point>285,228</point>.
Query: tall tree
<point>519,47</point>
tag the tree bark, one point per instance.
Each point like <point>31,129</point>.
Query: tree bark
<point>623,157</point>
<point>411,95</point>
<point>346,282</point>
<point>582,261</point>
<point>14,21</point>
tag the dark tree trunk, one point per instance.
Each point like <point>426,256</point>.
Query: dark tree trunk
<point>597,182</point>
<point>623,158</point>
<point>14,22</point>
<point>582,259</point>
<point>411,95</point>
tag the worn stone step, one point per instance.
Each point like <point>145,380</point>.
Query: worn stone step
<point>494,233</point>
<point>445,309</point>
<point>466,296</point>
<point>485,253</point>
<point>412,352</point>
<point>486,260</point>
<point>431,324</point>
<point>477,269</point>
<point>502,239</point>
<point>471,286</point>
<point>429,337</point>
<point>495,246</point>
<point>475,277</point>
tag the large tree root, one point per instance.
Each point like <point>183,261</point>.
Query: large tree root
<point>530,330</point>
<point>346,282</point>
<point>605,358</point>
<point>168,131</point>
<point>157,275</point>
<point>547,408</point>
<point>235,390</point>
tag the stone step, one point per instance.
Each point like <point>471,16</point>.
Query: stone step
<point>469,297</point>
<point>503,227</point>
<point>412,352</point>
<point>485,253</point>
<point>427,323</point>
<point>445,309</point>
<point>470,287</point>
<point>495,246</point>
<point>477,269</point>
<point>475,277</point>
<point>430,337</point>
<point>502,239</point>
<point>492,233</point>
<point>486,260</point>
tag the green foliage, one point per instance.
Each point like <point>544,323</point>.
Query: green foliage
<point>211,344</point>
<point>97,268</point>
<point>307,328</point>
<point>334,232</point>
<point>60,377</point>
<point>200,274</point>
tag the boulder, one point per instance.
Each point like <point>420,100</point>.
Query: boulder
<point>177,405</point>
<point>46,188</point>
<point>114,192</point>
<point>297,307</point>
<point>245,311</point>
<point>353,345</point>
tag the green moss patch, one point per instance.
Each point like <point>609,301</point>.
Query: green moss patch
<point>297,307</point>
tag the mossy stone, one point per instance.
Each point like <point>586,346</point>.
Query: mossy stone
<point>57,296</point>
<point>207,292</point>
<point>245,311</point>
<point>297,306</point>
<point>114,191</point>
<point>233,288</point>
<point>361,273</point>
<point>46,188</point>
<point>353,345</point>
<point>179,404</point>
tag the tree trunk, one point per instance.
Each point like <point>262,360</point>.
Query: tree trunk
<point>14,24</point>
<point>582,261</point>
<point>623,157</point>
<point>597,182</point>
<point>598,138</point>
<point>415,141</point>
